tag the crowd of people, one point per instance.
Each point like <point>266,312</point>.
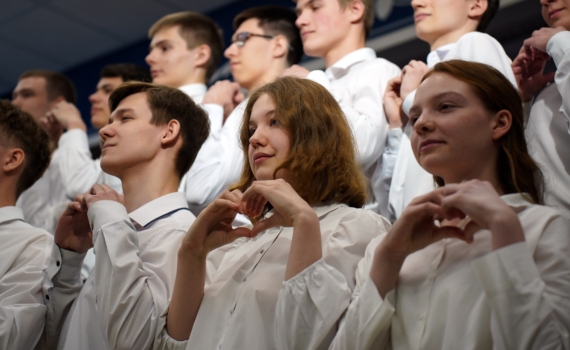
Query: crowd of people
<point>360,207</point>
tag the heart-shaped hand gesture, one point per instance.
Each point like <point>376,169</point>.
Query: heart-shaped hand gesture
<point>73,231</point>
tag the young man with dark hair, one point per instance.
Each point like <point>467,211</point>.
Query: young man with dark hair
<point>25,250</point>
<point>153,137</point>
<point>37,92</point>
<point>185,51</point>
<point>548,127</point>
<point>452,28</point>
<point>336,31</point>
<point>264,44</point>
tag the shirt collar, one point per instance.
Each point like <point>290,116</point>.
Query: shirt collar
<point>439,54</point>
<point>340,68</point>
<point>193,90</point>
<point>10,214</point>
<point>324,209</point>
<point>517,201</point>
<point>158,208</point>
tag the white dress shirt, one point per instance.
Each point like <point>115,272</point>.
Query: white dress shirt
<point>358,81</point>
<point>25,252</point>
<point>46,199</point>
<point>120,304</point>
<point>219,162</point>
<point>244,304</point>
<point>454,295</point>
<point>79,171</point>
<point>410,179</point>
<point>547,128</point>
<point>195,91</point>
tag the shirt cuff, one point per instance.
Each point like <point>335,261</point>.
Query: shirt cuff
<point>70,264</point>
<point>379,307</point>
<point>503,269</point>
<point>558,45</point>
<point>320,77</point>
<point>75,138</point>
<point>408,102</point>
<point>393,140</point>
<point>216,115</point>
<point>105,212</point>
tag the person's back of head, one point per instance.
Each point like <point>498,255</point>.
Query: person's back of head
<point>196,30</point>
<point>276,20</point>
<point>127,72</point>
<point>19,130</point>
<point>168,104</point>
<point>490,12</point>
<point>321,162</point>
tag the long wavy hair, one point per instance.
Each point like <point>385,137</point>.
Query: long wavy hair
<point>321,163</point>
<point>517,171</point>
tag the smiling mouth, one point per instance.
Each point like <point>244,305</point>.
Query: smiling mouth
<point>420,16</point>
<point>427,145</point>
<point>554,12</point>
<point>260,158</point>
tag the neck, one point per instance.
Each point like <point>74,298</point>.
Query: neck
<point>350,44</point>
<point>450,38</point>
<point>7,193</point>
<point>277,67</point>
<point>485,171</point>
<point>198,76</point>
<point>147,182</point>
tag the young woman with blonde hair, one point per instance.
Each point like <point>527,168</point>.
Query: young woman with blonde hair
<point>301,185</point>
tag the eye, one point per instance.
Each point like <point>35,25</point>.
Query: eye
<point>445,106</point>
<point>251,131</point>
<point>273,122</point>
<point>414,119</point>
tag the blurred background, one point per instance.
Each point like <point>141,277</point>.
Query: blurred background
<point>79,37</point>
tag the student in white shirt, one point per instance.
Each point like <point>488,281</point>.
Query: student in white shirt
<point>185,50</point>
<point>37,92</point>
<point>25,250</point>
<point>264,44</point>
<point>336,31</point>
<point>300,163</point>
<point>548,126</point>
<point>453,28</point>
<point>78,169</point>
<point>153,138</point>
<point>476,263</point>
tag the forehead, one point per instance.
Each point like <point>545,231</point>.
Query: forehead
<point>136,104</point>
<point>250,25</point>
<point>114,81</point>
<point>262,107</point>
<point>171,33</point>
<point>32,83</point>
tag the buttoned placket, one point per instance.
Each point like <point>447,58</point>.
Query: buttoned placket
<point>265,248</point>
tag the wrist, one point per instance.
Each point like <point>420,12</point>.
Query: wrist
<point>76,124</point>
<point>506,229</point>
<point>305,217</point>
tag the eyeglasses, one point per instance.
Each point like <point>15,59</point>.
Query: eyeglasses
<point>242,37</point>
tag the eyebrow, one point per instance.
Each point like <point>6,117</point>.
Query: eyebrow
<point>119,112</point>
<point>416,108</point>
<point>298,9</point>
<point>268,114</point>
<point>163,41</point>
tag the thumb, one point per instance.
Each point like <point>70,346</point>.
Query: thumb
<point>238,233</point>
<point>272,221</point>
<point>548,78</point>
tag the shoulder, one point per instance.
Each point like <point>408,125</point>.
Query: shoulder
<point>359,220</point>
<point>379,67</point>
<point>477,37</point>
<point>19,237</point>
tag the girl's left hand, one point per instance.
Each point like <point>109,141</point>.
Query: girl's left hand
<point>486,210</point>
<point>288,206</point>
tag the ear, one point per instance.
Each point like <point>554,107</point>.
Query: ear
<point>477,9</point>
<point>170,134</point>
<point>280,46</point>
<point>12,160</point>
<point>356,10</point>
<point>202,55</point>
<point>502,123</point>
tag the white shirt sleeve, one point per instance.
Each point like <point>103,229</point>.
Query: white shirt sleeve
<point>529,294</point>
<point>559,48</point>
<point>79,171</point>
<point>131,293</point>
<point>66,285</point>
<point>310,304</point>
<point>382,177</point>
<point>217,165</point>
<point>22,308</point>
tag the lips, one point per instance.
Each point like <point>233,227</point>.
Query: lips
<point>420,16</point>
<point>428,144</point>
<point>154,73</point>
<point>553,12</point>
<point>260,157</point>
<point>106,146</point>
<point>305,33</point>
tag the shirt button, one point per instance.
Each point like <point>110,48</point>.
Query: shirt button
<point>244,279</point>
<point>47,297</point>
<point>57,263</point>
<point>261,252</point>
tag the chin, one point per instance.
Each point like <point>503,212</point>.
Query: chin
<point>110,167</point>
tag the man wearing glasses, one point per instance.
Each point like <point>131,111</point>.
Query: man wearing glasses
<point>265,43</point>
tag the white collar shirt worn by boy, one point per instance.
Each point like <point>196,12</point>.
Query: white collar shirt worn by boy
<point>25,252</point>
<point>120,303</point>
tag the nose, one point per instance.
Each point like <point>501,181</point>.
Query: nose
<point>17,101</point>
<point>231,51</point>
<point>417,4</point>
<point>258,139</point>
<point>106,132</point>
<point>423,124</point>
<point>94,97</point>
<point>301,19</point>
<point>150,59</point>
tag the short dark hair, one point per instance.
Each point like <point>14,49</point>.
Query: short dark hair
<point>276,20</point>
<point>57,84</point>
<point>127,72</point>
<point>197,30</point>
<point>492,8</point>
<point>166,104</point>
<point>19,129</point>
